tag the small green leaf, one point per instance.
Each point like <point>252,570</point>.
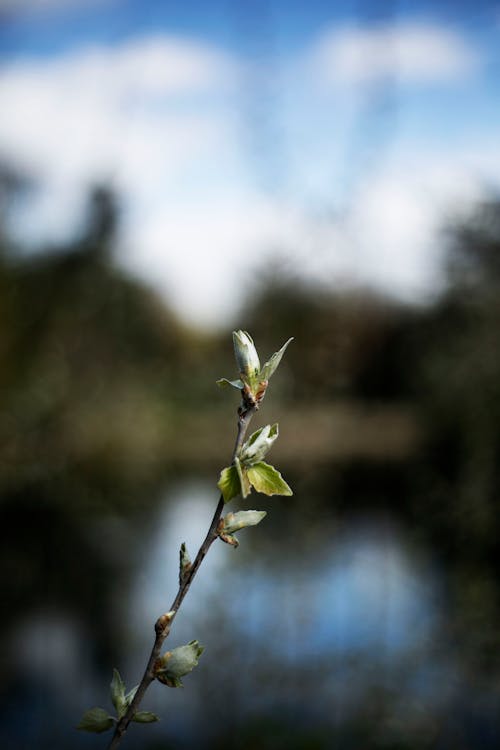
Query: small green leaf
<point>175,664</point>
<point>253,437</point>
<point>259,444</point>
<point>117,690</point>
<point>266,479</point>
<point>131,695</point>
<point>145,717</point>
<point>184,659</point>
<point>272,364</point>
<point>229,483</point>
<point>96,720</point>
<point>245,487</point>
<point>235,521</point>
<point>224,382</point>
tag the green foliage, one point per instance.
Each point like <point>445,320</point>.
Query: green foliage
<point>177,663</point>
<point>258,445</point>
<point>249,470</point>
<point>96,720</point>
<point>245,486</point>
<point>234,383</point>
<point>117,690</point>
<point>145,717</point>
<point>229,483</point>
<point>266,479</point>
<point>243,518</point>
<point>271,366</point>
<point>239,479</point>
<point>253,380</point>
<point>233,522</point>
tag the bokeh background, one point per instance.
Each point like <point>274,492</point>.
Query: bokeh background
<point>330,171</point>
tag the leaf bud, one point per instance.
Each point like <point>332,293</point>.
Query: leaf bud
<point>233,522</point>
<point>246,356</point>
<point>258,445</point>
<point>163,622</point>
<point>173,665</point>
<point>185,564</point>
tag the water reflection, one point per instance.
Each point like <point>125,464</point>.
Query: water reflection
<point>333,614</point>
<point>311,626</point>
<point>365,588</point>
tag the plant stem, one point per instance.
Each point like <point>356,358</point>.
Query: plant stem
<point>162,626</point>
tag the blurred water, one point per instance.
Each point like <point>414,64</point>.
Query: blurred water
<point>327,614</point>
<point>364,590</point>
<point>279,612</point>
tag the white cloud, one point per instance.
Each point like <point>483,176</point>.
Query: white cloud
<point>206,257</point>
<point>406,52</point>
<point>105,112</point>
<point>155,118</point>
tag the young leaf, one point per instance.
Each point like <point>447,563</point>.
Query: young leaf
<point>130,695</point>
<point>272,364</point>
<point>224,382</point>
<point>266,479</point>
<point>175,664</point>
<point>235,521</point>
<point>229,483</point>
<point>145,717</point>
<point>96,720</point>
<point>117,690</point>
<point>253,437</point>
<point>259,444</point>
<point>245,487</point>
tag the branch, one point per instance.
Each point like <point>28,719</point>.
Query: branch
<point>164,623</point>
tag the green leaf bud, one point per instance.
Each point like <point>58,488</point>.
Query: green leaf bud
<point>145,717</point>
<point>233,522</point>
<point>246,357</point>
<point>117,690</point>
<point>185,564</point>
<point>175,664</point>
<point>96,720</point>
<point>258,445</point>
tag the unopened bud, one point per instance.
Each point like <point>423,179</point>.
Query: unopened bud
<point>185,564</point>
<point>164,621</point>
<point>246,356</point>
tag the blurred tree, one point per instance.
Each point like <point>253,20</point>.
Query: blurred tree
<point>88,358</point>
<point>461,376</point>
<point>352,344</point>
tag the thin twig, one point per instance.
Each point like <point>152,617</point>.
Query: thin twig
<point>163,624</point>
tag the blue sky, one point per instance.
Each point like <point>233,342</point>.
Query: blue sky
<point>336,137</point>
